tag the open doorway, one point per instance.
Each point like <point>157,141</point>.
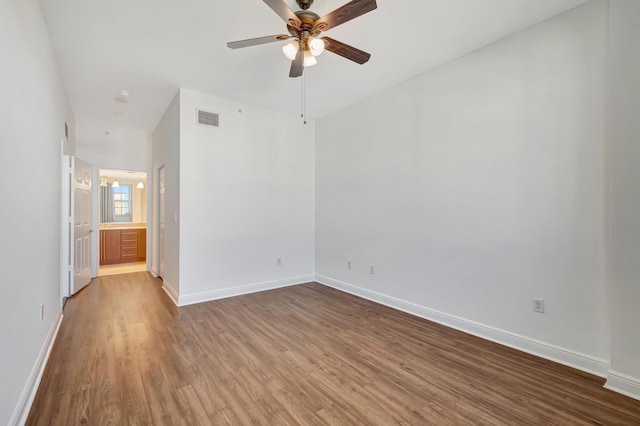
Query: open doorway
<point>123,221</point>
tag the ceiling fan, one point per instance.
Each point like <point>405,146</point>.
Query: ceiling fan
<point>304,28</point>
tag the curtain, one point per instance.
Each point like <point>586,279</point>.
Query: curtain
<point>106,204</point>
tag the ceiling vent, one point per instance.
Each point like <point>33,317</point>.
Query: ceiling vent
<point>206,118</point>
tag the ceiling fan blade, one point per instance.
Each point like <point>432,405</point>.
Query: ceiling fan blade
<point>297,65</point>
<point>345,13</point>
<point>256,41</point>
<point>283,11</point>
<point>346,51</point>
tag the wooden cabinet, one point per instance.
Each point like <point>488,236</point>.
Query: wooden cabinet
<point>122,245</point>
<point>129,244</point>
<point>142,244</point>
<point>109,246</point>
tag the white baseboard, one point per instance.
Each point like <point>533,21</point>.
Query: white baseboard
<point>168,288</point>
<point>621,383</point>
<point>223,293</point>
<point>21,411</point>
<point>554,353</point>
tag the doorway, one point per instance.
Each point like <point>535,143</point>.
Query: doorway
<point>122,205</point>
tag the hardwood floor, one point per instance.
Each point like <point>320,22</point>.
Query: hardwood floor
<point>308,354</point>
<point>122,268</point>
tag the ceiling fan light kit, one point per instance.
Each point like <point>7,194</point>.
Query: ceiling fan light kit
<point>316,46</point>
<point>290,49</point>
<point>305,27</point>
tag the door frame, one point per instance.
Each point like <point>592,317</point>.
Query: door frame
<point>161,205</point>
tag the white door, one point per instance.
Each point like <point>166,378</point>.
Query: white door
<point>81,220</point>
<point>161,189</point>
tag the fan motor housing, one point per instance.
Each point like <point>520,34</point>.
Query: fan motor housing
<point>304,4</point>
<point>308,19</point>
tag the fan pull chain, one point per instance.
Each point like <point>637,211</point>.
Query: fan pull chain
<point>303,101</point>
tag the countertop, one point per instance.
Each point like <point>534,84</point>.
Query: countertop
<point>123,225</point>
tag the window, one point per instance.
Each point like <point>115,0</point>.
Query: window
<point>122,203</point>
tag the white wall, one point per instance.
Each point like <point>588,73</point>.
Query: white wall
<point>113,148</point>
<point>166,152</point>
<point>32,114</point>
<point>480,185</point>
<point>625,193</point>
<point>246,199</point>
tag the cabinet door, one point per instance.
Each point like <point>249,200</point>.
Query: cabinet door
<point>142,244</point>
<point>111,245</point>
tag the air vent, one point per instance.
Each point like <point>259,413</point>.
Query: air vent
<point>208,118</point>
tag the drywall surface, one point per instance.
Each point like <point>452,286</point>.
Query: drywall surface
<point>33,110</point>
<point>480,185</point>
<point>625,188</point>
<point>246,197</point>
<point>166,154</point>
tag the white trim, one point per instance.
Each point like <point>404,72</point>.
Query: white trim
<point>621,383</point>
<point>21,411</point>
<point>173,295</point>
<point>223,293</point>
<point>583,362</point>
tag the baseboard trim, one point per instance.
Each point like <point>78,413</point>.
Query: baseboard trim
<point>168,288</point>
<point>21,411</point>
<point>621,383</point>
<point>223,293</point>
<point>554,353</point>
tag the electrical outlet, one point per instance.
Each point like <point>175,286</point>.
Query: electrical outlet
<point>42,312</point>
<point>372,270</point>
<point>538,305</point>
<point>349,266</point>
<point>279,261</point>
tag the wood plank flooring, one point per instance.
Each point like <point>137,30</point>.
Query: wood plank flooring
<point>308,354</point>
<point>122,268</point>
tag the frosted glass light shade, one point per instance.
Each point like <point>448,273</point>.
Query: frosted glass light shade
<point>115,184</point>
<point>316,46</point>
<point>309,59</point>
<point>140,185</point>
<point>290,50</point>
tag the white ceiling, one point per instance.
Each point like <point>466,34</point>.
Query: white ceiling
<point>153,47</point>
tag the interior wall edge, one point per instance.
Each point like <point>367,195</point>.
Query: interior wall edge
<point>580,361</point>
<point>623,384</point>
<point>173,295</point>
<point>223,293</point>
<point>23,407</point>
